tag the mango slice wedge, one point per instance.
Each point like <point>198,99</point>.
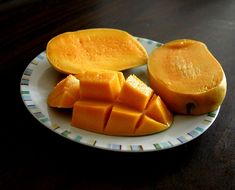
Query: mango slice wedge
<point>187,77</point>
<point>148,126</point>
<point>65,93</point>
<point>99,48</point>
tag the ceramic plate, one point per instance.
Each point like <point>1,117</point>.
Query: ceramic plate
<point>38,80</point>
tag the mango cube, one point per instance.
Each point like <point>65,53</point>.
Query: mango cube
<point>135,93</point>
<point>91,115</point>
<point>100,85</point>
<point>122,120</point>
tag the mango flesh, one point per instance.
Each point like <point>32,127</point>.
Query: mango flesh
<point>91,115</point>
<point>115,117</point>
<point>187,77</point>
<point>148,126</point>
<point>100,85</point>
<point>158,111</point>
<point>65,93</point>
<point>105,102</point>
<point>135,93</point>
<point>122,121</point>
<point>100,48</point>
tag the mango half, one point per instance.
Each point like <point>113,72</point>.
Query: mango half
<point>98,48</point>
<point>134,111</point>
<point>187,77</point>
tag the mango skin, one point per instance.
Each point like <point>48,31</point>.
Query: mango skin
<point>194,100</point>
<point>201,103</point>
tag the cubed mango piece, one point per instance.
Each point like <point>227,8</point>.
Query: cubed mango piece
<point>158,111</point>
<point>91,115</point>
<point>100,85</point>
<point>148,126</point>
<point>122,121</point>
<point>135,93</point>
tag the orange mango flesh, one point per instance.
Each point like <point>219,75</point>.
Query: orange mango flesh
<point>100,48</point>
<point>128,114</point>
<point>65,93</point>
<point>91,115</point>
<point>135,93</point>
<point>109,111</point>
<point>148,126</point>
<point>64,100</point>
<point>100,85</point>
<point>118,119</point>
<point>187,76</point>
<point>122,121</point>
<point>158,111</point>
<point>187,59</point>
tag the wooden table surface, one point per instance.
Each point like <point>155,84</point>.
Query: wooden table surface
<point>33,157</point>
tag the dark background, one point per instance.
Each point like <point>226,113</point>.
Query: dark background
<point>33,157</point>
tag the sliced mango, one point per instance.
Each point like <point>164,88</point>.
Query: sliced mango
<point>122,121</point>
<point>135,93</point>
<point>91,115</point>
<point>100,85</point>
<point>65,93</point>
<point>99,48</point>
<point>111,105</point>
<point>158,111</point>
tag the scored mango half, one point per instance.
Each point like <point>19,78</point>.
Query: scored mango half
<point>108,103</point>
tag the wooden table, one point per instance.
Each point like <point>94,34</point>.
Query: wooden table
<point>33,157</point>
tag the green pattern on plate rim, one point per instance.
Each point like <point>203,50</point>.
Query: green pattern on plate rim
<point>39,78</point>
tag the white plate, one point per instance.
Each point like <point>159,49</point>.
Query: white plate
<point>38,80</point>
